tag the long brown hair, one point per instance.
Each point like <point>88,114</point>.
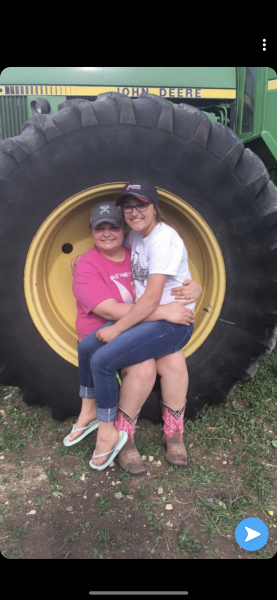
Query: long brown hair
<point>160,218</point>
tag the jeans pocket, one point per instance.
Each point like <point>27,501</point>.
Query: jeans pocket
<point>185,339</point>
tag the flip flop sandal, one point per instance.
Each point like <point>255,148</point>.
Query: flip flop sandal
<point>123,437</point>
<point>88,429</point>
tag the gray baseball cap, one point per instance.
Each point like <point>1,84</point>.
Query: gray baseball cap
<point>106,212</point>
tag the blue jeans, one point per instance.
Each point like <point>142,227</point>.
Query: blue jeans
<point>137,344</point>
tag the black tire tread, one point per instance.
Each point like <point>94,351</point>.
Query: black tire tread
<point>223,145</point>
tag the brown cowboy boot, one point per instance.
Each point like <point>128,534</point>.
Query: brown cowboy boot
<point>129,457</point>
<point>172,435</point>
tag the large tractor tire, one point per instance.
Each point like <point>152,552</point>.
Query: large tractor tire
<point>216,192</point>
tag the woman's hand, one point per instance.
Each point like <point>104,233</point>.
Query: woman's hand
<point>177,313</point>
<point>190,292</point>
<point>107,334</point>
<point>74,263</point>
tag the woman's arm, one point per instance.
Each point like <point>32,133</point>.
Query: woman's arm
<point>140,311</point>
<point>74,262</point>
<point>174,312</point>
<point>112,310</point>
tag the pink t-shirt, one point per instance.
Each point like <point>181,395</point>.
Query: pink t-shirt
<point>97,278</point>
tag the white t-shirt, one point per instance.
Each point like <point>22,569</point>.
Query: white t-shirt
<point>162,251</point>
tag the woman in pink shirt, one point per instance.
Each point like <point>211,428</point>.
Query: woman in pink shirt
<point>103,287</point>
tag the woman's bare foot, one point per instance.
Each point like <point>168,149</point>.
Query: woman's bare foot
<point>84,419</point>
<point>105,442</point>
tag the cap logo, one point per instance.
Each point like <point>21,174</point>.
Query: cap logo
<point>133,187</point>
<point>104,209</point>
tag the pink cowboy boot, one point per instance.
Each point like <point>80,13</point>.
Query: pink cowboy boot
<point>129,456</point>
<point>172,435</point>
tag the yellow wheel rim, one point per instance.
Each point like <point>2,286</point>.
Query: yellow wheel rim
<point>66,233</point>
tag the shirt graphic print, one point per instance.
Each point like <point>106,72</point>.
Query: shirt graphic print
<point>124,292</point>
<point>138,272</point>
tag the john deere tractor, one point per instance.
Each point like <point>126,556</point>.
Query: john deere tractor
<point>207,139</point>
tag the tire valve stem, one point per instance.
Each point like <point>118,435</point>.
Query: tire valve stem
<point>207,309</point>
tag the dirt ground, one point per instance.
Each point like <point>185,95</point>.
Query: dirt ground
<point>53,506</point>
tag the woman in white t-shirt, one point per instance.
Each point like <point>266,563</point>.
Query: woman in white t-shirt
<point>159,263</point>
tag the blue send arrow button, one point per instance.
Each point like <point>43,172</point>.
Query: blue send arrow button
<point>251,534</point>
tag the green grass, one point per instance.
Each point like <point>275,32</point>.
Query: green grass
<point>75,476</point>
<point>96,554</point>
<point>42,461</point>
<point>56,490</point>
<point>24,425</point>
<point>10,441</point>
<point>3,511</point>
<point>262,554</point>
<point>52,475</point>
<point>124,489</point>
<point>14,554</point>
<point>262,484</point>
<point>20,501</point>
<point>103,506</point>
<point>42,500</point>
<point>197,475</point>
<point>17,474</point>
<point>18,533</point>
<point>63,451</point>
<point>221,517</point>
<point>82,529</point>
<point>144,491</point>
<point>188,545</point>
<point>152,510</point>
<point>244,429</point>
<point>149,444</point>
<point>106,539</point>
<point>123,476</point>
<point>156,545</point>
<point>5,480</point>
<point>54,427</point>
<point>248,414</point>
<point>84,469</point>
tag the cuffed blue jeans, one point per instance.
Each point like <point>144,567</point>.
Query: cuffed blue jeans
<point>99,362</point>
